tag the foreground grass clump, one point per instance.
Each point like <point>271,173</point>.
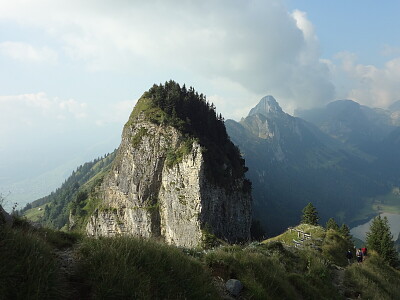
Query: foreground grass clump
<point>130,268</point>
<point>28,268</point>
<point>271,271</point>
<point>373,279</point>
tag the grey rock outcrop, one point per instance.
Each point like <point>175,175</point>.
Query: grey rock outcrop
<point>148,195</point>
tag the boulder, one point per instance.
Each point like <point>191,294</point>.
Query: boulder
<point>234,287</point>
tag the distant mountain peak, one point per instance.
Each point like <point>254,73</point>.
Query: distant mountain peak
<point>343,104</point>
<point>267,106</point>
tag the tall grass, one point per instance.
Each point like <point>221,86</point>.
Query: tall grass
<point>28,268</point>
<point>271,271</point>
<point>130,268</point>
<point>373,279</point>
<point>335,247</point>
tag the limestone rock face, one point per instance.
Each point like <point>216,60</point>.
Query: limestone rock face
<point>148,194</point>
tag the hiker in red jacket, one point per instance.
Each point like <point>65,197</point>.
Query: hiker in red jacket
<point>364,252</point>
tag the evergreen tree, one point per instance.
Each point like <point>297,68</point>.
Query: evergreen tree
<point>310,215</point>
<point>345,231</point>
<point>380,239</point>
<point>331,224</point>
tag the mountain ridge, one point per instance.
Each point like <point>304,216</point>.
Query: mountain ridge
<point>292,161</point>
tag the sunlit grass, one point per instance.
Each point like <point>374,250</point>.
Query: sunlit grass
<point>34,214</point>
<point>317,233</point>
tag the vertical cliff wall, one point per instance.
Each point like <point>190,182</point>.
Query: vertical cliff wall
<point>160,186</point>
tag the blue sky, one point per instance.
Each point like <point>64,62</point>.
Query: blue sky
<point>71,71</point>
<point>366,28</point>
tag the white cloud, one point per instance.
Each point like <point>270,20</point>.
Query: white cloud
<point>312,52</point>
<point>235,51</point>
<point>37,115</point>
<point>117,113</point>
<point>368,84</point>
<point>27,53</point>
<point>256,44</point>
<point>37,109</point>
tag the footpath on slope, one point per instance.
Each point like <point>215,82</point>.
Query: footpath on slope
<point>338,281</point>
<point>68,262</point>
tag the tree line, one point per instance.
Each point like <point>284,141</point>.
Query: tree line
<point>196,117</point>
<point>56,211</point>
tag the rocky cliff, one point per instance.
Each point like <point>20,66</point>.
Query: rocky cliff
<point>160,186</point>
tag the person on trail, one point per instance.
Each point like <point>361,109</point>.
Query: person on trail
<point>364,252</point>
<point>359,256</point>
<point>349,256</point>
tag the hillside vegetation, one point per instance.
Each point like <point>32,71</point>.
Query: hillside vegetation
<point>55,208</point>
<point>47,264</point>
<point>191,113</point>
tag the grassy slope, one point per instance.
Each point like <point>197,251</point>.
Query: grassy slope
<point>28,266</point>
<point>34,214</point>
<point>139,269</point>
<point>85,178</point>
<point>115,268</point>
<point>287,237</point>
<point>373,279</point>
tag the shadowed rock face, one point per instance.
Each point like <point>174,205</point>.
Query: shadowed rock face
<point>143,195</point>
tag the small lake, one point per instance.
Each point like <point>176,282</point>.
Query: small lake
<point>394,222</point>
